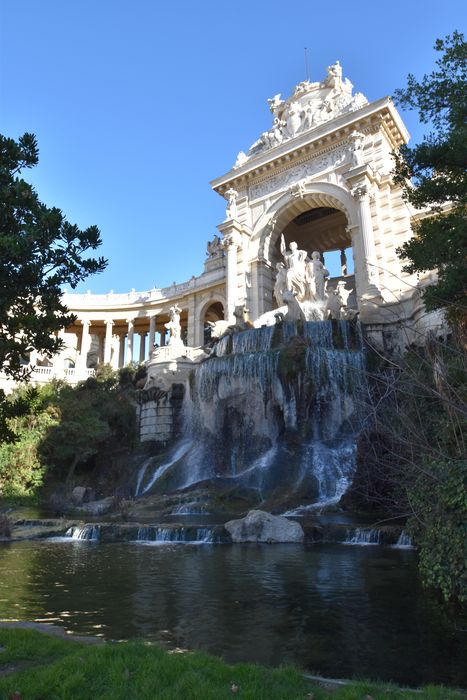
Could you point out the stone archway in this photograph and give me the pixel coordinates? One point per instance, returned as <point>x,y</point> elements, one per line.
<point>284,216</point>
<point>212,310</point>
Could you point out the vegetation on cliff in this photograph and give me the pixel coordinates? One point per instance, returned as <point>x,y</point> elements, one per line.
<point>58,427</point>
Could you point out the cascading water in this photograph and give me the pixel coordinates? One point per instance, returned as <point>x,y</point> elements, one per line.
<point>85,532</point>
<point>273,416</point>
<point>187,535</point>
<point>363,537</point>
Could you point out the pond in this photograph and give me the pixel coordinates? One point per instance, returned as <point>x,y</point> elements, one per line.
<point>336,610</point>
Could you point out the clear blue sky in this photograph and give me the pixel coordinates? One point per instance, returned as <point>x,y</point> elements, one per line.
<point>138,105</point>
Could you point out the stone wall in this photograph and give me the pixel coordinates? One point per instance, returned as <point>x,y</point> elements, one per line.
<point>159,413</point>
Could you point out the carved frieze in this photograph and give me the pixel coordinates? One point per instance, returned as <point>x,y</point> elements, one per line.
<point>292,176</point>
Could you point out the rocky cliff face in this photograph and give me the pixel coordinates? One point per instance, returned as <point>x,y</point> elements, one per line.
<point>272,415</point>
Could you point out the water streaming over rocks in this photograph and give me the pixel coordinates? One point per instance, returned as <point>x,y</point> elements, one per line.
<point>404,541</point>
<point>363,537</point>
<point>271,417</point>
<point>191,535</point>
<point>84,532</point>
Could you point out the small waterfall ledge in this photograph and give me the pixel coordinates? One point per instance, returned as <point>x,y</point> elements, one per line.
<point>271,418</point>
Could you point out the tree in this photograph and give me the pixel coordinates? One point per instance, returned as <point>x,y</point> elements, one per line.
<point>437,168</point>
<point>39,252</point>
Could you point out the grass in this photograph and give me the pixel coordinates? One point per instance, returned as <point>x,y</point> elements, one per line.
<point>38,666</point>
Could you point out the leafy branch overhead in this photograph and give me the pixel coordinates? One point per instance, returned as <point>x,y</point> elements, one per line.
<point>39,252</point>
<point>437,168</point>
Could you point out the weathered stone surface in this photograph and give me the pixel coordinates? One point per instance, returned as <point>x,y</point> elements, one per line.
<point>259,526</point>
<point>78,494</point>
<point>98,507</point>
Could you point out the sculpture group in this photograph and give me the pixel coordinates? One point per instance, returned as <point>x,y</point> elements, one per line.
<point>301,283</point>
<point>311,104</point>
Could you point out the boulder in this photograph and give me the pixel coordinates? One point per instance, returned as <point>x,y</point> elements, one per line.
<point>78,494</point>
<point>259,526</point>
<point>98,507</point>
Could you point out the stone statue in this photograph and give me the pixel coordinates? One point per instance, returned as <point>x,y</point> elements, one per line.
<point>343,262</point>
<point>294,310</point>
<point>214,247</point>
<point>334,77</point>
<point>296,270</point>
<point>241,159</point>
<point>294,119</point>
<point>174,326</point>
<point>316,275</point>
<point>231,197</point>
<point>275,103</point>
<point>356,140</point>
<point>281,283</point>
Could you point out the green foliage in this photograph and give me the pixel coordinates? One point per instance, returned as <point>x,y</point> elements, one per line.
<point>439,498</point>
<point>21,468</point>
<point>60,427</point>
<point>437,167</point>
<point>39,252</point>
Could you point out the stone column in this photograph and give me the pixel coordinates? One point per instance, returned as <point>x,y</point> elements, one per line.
<point>362,195</point>
<point>192,320</point>
<point>85,340</point>
<point>58,360</point>
<point>129,344</point>
<point>232,232</point>
<point>142,346</point>
<point>121,349</point>
<point>108,341</point>
<point>152,333</point>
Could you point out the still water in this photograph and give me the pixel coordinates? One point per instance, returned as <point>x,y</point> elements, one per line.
<point>336,610</point>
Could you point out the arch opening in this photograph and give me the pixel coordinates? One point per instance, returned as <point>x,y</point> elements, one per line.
<point>323,229</point>
<point>213,313</point>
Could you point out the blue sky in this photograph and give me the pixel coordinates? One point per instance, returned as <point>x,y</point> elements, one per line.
<point>138,105</point>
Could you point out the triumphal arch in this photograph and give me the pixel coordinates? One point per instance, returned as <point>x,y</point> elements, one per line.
<point>316,183</point>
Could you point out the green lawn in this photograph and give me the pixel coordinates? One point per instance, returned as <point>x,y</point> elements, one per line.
<point>42,667</point>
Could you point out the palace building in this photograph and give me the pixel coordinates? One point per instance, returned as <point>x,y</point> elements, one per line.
<point>318,180</point>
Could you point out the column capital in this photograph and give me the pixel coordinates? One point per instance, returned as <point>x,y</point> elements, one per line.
<point>109,322</point>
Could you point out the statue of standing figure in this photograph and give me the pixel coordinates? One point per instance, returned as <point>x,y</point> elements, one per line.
<point>296,268</point>
<point>174,326</point>
<point>316,275</point>
<point>281,283</point>
<point>231,197</point>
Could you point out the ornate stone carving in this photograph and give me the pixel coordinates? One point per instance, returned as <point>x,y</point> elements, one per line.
<point>214,247</point>
<point>298,189</point>
<point>310,104</point>
<point>285,180</point>
<point>174,327</point>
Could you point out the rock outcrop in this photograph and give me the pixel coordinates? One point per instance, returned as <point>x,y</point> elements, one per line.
<point>259,526</point>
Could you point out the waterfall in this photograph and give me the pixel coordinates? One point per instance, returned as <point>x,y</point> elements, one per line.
<point>404,541</point>
<point>85,532</point>
<point>273,412</point>
<point>362,536</point>
<point>187,535</point>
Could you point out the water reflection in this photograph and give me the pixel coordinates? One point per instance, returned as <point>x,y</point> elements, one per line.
<point>337,610</point>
